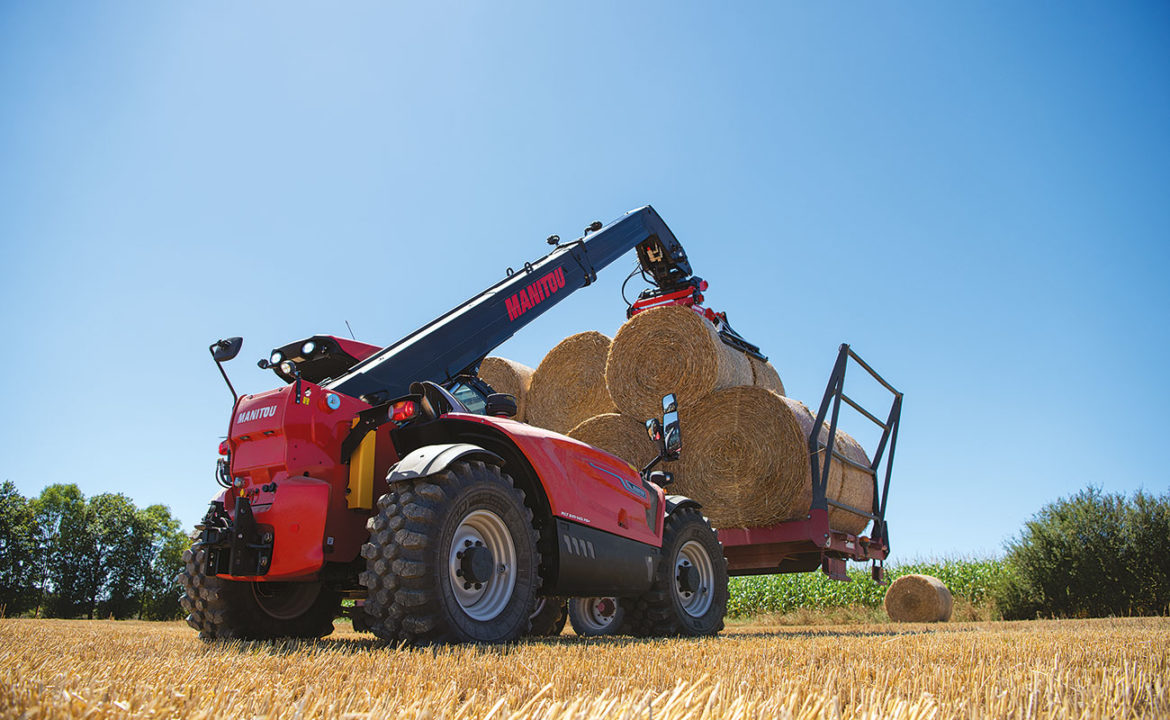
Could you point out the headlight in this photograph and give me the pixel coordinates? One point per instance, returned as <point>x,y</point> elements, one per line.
<point>308,348</point>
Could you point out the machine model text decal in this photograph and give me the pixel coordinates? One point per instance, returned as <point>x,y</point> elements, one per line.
<point>256,414</point>
<point>535,293</point>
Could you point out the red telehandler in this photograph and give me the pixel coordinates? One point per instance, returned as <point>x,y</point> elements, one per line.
<point>396,478</point>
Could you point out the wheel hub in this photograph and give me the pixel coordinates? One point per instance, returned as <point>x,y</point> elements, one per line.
<point>482,565</point>
<point>688,578</point>
<point>477,564</point>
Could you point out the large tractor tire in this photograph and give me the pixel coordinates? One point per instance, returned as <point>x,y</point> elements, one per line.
<point>222,609</point>
<point>548,617</point>
<point>596,616</point>
<point>452,557</point>
<point>689,592</point>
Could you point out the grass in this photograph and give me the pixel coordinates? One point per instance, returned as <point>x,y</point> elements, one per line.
<point>1043,669</point>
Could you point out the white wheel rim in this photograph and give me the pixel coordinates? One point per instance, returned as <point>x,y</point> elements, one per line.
<point>486,600</point>
<point>697,600</point>
<point>596,614</point>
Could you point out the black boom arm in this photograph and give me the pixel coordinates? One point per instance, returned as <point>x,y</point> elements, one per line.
<point>452,343</point>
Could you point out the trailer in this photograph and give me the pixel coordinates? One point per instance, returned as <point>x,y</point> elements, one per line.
<point>809,544</point>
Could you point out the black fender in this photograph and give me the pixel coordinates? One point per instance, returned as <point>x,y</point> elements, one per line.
<point>674,502</point>
<point>431,459</point>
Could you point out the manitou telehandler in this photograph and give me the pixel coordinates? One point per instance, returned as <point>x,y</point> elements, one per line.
<point>394,477</point>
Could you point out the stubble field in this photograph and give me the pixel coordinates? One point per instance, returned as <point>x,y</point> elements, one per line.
<point>1083,669</point>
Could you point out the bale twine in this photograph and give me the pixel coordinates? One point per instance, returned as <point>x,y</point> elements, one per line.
<point>918,598</point>
<point>619,435</point>
<point>568,387</point>
<point>846,483</point>
<point>744,458</point>
<point>508,376</point>
<point>764,375</point>
<point>670,350</point>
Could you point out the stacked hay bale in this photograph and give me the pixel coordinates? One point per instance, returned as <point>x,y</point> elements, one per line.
<point>745,445</point>
<point>508,376</point>
<point>568,387</point>
<point>918,598</point>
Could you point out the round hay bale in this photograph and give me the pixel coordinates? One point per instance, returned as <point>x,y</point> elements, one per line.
<point>619,435</point>
<point>918,598</point>
<point>846,483</point>
<point>764,375</point>
<point>568,387</point>
<point>670,350</point>
<point>744,458</point>
<point>508,376</point>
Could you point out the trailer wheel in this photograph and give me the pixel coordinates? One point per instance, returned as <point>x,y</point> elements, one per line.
<point>244,610</point>
<point>689,592</point>
<point>548,617</point>
<point>592,617</point>
<point>452,558</point>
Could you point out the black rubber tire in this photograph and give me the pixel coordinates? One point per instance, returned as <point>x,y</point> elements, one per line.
<point>585,625</point>
<point>660,611</point>
<point>410,594</point>
<point>548,620</point>
<point>229,609</point>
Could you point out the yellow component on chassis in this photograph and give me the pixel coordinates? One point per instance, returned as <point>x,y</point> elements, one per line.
<point>361,474</point>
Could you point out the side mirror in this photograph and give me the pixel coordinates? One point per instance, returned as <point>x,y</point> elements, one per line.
<point>224,350</point>
<point>654,430</point>
<point>501,404</point>
<point>661,478</point>
<point>673,441</point>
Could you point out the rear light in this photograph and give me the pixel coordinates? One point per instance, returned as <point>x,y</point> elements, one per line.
<point>403,410</point>
<point>224,448</point>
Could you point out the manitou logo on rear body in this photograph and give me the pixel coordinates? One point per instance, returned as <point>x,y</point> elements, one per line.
<point>535,293</point>
<point>264,412</point>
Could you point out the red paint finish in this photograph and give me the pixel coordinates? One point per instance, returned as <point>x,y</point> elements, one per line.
<point>354,348</point>
<point>752,549</point>
<point>584,484</point>
<point>278,436</point>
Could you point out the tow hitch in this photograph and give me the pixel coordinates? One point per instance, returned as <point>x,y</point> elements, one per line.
<point>240,548</point>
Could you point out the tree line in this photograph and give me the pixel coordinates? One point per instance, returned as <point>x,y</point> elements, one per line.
<point>67,556</point>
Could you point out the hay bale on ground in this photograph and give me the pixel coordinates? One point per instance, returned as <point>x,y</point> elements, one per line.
<point>619,435</point>
<point>918,598</point>
<point>568,387</point>
<point>744,457</point>
<point>764,375</point>
<point>508,376</point>
<point>670,350</point>
<point>846,484</point>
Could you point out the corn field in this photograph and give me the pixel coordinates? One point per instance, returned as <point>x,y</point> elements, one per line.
<point>1112,668</point>
<point>970,580</point>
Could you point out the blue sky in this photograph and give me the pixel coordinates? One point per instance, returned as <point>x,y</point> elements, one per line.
<point>975,195</point>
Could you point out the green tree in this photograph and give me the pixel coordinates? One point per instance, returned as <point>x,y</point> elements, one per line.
<point>18,552</point>
<point>1091,555</point>
<point>119,539</point>
<point>160,560</point>
<point>62,538</point>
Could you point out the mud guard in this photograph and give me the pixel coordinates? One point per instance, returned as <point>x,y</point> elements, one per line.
<point>674,502</point>
<point>431,459</point>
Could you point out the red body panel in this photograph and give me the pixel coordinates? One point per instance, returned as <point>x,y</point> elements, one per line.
<point>584,484</point>
<point>296,442</point>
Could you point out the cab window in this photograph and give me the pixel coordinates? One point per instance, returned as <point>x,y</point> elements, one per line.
<point>475,402</point>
